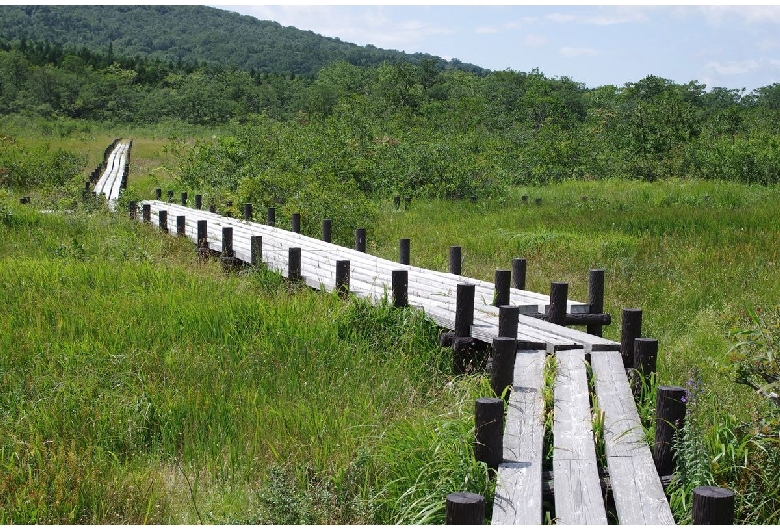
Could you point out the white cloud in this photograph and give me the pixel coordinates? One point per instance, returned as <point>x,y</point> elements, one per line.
<point>615,15</point>
<point>743,67</point>
<point>535,40</point>
<point>568,51</point>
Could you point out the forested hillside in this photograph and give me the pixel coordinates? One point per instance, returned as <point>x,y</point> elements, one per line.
<point>194,34</point>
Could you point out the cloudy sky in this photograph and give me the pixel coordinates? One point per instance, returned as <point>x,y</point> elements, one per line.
<point>718,45</point>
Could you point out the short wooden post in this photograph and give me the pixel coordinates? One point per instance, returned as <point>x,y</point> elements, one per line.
<point>489,431</point>
<point>403,251</point>
<point>271,217</point>
<point>227,242</point>
<point>595,298</point>
<point>133,209</point>
<point>360,239</point>
<point>400,283</point>
<point>645,361</point>
<point>294,264</point>
<point>170,195</point>
<point>538,200</point>
<point>559,294</point>
<point>669,417</point>
<point>524,198</point>
<point>327,230</point>
<point>502,282</point>
<point>342,277</point>
<point>473,199</point>
<point>397,202</point>
<point>162,217</point>
<point>202,241</point>
<point>87,185</point>
<point>180,225</point>
<point>146,213</point>
<point>518,273</point>
<point>158,193</point>
<point>407,202</point>
<point>508,316</point>
<point>455,261</point>
<point>295,223</point>
<point>464,309</point>
<point>464,508</point>
<point>184,198</point>
<point>198,202</point>
<point>713,505</point>
<point>503,369</point>
<point>256,250</point>
<point>212,207</point>
<point>248,211</point>
<point>631,329</point>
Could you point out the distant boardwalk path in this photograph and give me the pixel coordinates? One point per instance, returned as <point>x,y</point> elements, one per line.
<point>113,178</point>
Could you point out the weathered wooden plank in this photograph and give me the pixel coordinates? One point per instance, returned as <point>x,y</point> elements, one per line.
<point>639,495</point>
<point>518,496</point>
<point>577,486</point>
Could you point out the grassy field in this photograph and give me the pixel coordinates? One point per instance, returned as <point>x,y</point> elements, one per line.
<point>144,386</point>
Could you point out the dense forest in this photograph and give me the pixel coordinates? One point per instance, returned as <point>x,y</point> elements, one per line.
<point>196,34</point>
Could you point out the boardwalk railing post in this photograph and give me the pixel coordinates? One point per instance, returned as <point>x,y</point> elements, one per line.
<point>397,202</point>
<point>455,260</point>
<point>645,362</point>
<point>133,209</point>
<point>595,298</point>
<point>256,250</point>
<point>248,211</point>
<point>400,283</point>
<point>669,417</point>
<point>489,431</point>
<point>296,223</point>
<point>212,207</point>
<point>518,273</point>
<point>202,242</point>
<point>294,264</point>
<point>407,202</point>
<point>327,230</point>
<point>229,261</point>
<point>462,343</point>
<point>162,217</point>
<point>502,282</point>
<point>631,329</point>
<point>271,217</point>
<point>158,193</point>
<point>181,224</point>
<point>184,198</point>
<point>198,202</point>
<point>360,239</point>
<point>508,316</point>
<point>170,195</point>
<point>713,505</point>
<point>464,508</point>
<point>559,294</point>
<point>403,251</point>
<point>146,213</point>
<point>503,369</point>
<point>342,277</point>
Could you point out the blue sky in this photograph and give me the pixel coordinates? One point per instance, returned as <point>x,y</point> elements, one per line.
<point>717,45</point>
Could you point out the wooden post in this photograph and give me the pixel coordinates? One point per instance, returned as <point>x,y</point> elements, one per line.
<point>180,225</point>
<point>212,207</point>
<point>158,193</point>
<point>203,235</point>
<point>296,223</point>
<point>645,361</point>
<point>595,298</point>
<point>198,201</point>
<point>184,198</point>
<point>501,293</point>
<point>360,239</point>
<point>133,208</point>
<point>473,199</point>
<point>407,202</point>
<point>327,229</point>
<point>631,329</point>
<point>669,416</point>
<point>489,431</point>
<point>559,294</point>
<point>464,508</point>
<point>400,283</point>
<point>518,273</point>
<point>397,202</point>
<point>162,217</point>
<point>256,250</point>
<point>170,195</point>
<point>713,505</point>
<point>294,264</point>
<point>227,242</point>
<point>271,218</point>
<point>248,211</point>
<point>464,309</point>
<point>508,316</point>
<point>455,260</point>
<point>403,251</point>
<point>342,277</point>
<point>524,198</point>
<point>503,370</point>
<point>146,213</point>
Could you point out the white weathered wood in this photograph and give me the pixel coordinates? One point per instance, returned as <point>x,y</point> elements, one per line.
<point>518,496</point>
<point>110,182</point>
<point>637,490</point>
<point>578,497</point>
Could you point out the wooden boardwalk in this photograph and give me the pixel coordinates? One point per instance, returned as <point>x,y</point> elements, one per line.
<point>110,182</point>
<point>636,488</point>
